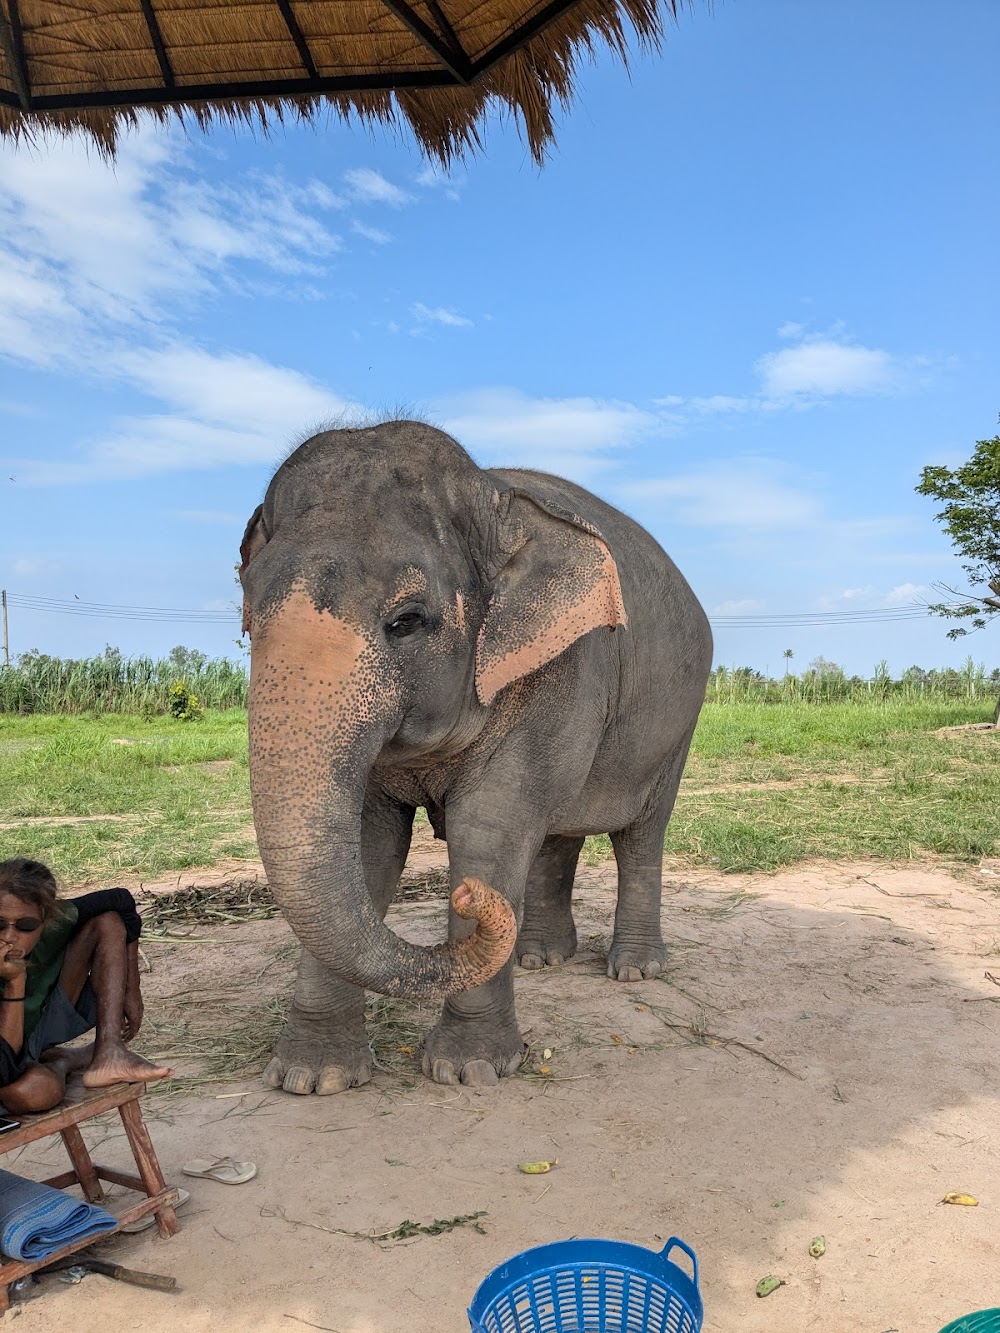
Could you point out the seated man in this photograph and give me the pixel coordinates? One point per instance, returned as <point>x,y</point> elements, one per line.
<point>65,967</point>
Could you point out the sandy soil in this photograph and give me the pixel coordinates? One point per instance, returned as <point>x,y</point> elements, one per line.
<point>821,1057</point>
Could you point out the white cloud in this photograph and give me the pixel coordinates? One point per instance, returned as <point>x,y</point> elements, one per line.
<point>742,607</point>
<point>907,594</point>
<point>740,493</point>
<point>374,234</point>
<point>26,567</point>
<point>432,177</point>
<point>822,368</point>
<point>575,437</point>
<point>368,186</point>
<point>96,264</point>
<point>845,598</point>
<point>111,243</point>
<point>439,315</point>
<point>227,408</point>
<point>814,370</point>
<point>868,596</point>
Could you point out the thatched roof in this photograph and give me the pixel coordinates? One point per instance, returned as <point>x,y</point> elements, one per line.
<point>440,65</point>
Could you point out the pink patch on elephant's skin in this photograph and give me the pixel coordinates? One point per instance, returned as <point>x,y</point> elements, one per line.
<point>527,627</point>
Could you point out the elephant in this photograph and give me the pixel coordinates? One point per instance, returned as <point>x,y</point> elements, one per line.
<point>497,646</point>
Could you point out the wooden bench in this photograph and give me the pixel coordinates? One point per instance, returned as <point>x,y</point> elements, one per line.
<point>81,1105</point>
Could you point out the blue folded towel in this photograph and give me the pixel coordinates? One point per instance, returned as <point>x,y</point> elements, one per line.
<point>36,1220</point>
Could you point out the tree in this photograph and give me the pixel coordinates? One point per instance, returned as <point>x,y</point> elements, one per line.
<point>788,655</point>
<point>825,670</point>
<point>971,517</point>
<point>187,661</point>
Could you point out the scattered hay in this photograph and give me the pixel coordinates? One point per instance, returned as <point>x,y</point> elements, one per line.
<point>234,902</point>
<point>396,1031</point>
<point>227,1042</point>
<point>250,899</point>
<point>423,886</point>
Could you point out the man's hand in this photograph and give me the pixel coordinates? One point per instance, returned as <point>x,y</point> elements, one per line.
<point>11,969</point>
<point>132,1015</point>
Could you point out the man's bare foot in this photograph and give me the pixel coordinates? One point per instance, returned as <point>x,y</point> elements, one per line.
<point>68,1058</point>
<point>122,1066</point>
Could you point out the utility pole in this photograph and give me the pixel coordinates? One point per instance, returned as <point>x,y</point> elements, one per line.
<point>6,642</point>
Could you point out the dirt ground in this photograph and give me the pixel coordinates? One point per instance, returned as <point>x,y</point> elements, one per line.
<point>820,1058</point>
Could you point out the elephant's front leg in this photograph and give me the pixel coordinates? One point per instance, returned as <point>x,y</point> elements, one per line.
<point>476,1040</point>
<point>324,1046</point>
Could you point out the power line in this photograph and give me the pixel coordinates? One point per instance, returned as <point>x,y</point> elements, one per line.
<point>101,610</point>
<point>786,620</point>
<point>821,618</point>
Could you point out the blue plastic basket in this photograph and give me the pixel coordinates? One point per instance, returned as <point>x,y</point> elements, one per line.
<point>590,1286</point>
<point>986,1321</point>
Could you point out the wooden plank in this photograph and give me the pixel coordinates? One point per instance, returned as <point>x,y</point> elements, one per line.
<point>12,41</point>
<point>145,1159</point>
<point>120,1178</point>
<point>82,1165</point>
<point>156,38</point>
<point>70,1113</point>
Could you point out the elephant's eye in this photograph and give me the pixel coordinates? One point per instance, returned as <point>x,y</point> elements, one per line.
<point>406,622</point>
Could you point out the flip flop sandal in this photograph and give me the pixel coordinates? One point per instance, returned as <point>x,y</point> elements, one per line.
<point>226,1170</point>
<point>132,1227</point>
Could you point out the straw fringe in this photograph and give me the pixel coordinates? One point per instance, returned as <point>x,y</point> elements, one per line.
<point>103,45</point>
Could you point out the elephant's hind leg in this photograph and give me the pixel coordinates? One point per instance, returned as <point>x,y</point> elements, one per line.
<point>548,934</point>
<point>637,949</point>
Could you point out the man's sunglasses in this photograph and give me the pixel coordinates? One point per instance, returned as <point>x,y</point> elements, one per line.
<point>24,925</point>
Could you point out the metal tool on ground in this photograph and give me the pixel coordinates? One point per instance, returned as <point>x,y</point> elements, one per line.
<point>154,1281</point>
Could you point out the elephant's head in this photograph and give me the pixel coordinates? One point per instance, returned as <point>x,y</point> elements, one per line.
<point>392,589</point>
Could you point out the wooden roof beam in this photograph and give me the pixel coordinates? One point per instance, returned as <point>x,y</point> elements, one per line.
<point>552,11</point>
<point>454,58</point>
<point>447,31</point>
<point>12,41</point>
<point>156,37</point>
<point>298,37</point>
<point>208,92</point>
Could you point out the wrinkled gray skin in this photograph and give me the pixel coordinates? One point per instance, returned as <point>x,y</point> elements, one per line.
<point>499,647</point>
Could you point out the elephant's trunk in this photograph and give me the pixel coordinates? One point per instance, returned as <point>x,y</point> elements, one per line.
<point>319,713</point>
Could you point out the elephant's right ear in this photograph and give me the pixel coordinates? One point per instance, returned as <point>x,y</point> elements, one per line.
<point>254,539</point>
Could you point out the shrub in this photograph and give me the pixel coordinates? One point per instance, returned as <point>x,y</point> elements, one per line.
<point>184,706</point>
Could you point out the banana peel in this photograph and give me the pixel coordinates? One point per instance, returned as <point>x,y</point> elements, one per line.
<point>817,1247</point>
<point>768,1284</point>
<point>537,1168</point>
<point>955,1196</point>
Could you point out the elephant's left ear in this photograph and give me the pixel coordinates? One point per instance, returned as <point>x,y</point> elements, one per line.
<point>255,538</point>
<point>559,583</point>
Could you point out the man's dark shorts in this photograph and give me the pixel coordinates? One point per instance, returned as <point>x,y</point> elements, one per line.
<point>61,1021</point>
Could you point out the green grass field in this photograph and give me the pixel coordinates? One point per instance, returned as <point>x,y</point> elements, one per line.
<point>118,798</point>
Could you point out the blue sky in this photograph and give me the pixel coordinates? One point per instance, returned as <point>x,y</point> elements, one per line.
<point>750,296</point>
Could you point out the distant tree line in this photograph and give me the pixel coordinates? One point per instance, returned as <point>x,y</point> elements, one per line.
<point>113,683</point>
<point>827,682</point>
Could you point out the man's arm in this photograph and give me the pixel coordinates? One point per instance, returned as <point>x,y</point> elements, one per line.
<point>133,1006</point>
<point>13,976</point>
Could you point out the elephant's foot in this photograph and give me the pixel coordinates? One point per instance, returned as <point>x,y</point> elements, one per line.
<point>634,961</point>
<point>545,945</point>
<point>308,1059</point>
<point>476,1052</point>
